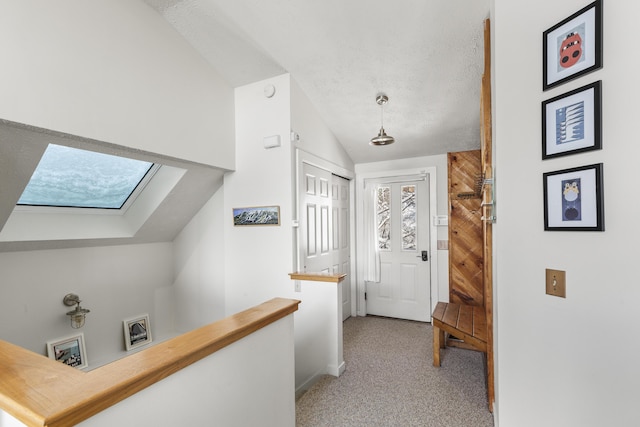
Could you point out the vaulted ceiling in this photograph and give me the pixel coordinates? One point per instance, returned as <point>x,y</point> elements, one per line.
<point>426,55</point>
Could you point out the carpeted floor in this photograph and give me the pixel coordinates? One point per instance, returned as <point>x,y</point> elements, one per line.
<point>390,380</point>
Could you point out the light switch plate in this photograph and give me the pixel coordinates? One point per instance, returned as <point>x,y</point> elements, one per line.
<point>556,283</point>
<point>440,220</point>
<point>271,141</point>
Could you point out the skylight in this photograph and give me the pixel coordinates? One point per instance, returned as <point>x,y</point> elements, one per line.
<point>71,177</point>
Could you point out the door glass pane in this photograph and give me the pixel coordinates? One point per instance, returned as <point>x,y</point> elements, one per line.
<point>408,217</point>
<point>383,216</point>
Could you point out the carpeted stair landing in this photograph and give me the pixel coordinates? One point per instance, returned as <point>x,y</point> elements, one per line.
<point>390,381</point>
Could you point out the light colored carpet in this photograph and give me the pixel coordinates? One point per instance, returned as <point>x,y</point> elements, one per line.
<point>390,380</point>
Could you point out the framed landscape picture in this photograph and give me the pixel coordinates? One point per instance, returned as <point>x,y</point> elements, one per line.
<point>572,47</point>
<point>571,122</point>
<point>69,350</point>
<point>137,331</point>
<point>259,215</point>
<point>573,199</point>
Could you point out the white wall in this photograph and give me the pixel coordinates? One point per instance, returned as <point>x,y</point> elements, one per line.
<point>258,259</point>
<point>573,361</point>
<point>114,282</point>
<point>248,383</point>
<point>114,71</point>
<point>319,346</point>
<point>315,137</point>
<point>200,267</point>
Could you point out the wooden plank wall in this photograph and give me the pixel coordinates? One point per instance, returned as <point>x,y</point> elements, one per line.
<point>466,246</point>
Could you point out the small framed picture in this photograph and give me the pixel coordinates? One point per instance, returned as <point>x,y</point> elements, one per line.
<point>69,350</point>
<point>137,331</point>
<point>573,199</point>
<point>571,123</point>
<point>572,47</point>
<point>259,215</point>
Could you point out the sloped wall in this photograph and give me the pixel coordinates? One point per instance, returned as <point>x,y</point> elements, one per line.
<point>113,71</point>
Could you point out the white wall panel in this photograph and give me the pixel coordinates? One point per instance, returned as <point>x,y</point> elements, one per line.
<point>558,363</point>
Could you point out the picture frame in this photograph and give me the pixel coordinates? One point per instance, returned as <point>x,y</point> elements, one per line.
<point>137,331</point>
<point>571,122</point>
<point>572,47</point>
<point>69,350</point>
<point>256,216</point>
<point>573,199</point>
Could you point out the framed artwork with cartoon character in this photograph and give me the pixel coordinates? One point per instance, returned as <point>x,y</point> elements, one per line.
<point>573,199</point>
<point>572,47</point>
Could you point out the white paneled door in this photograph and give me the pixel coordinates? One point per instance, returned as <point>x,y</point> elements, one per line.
<point>324,226</point>
<point>402,222</point>
<point>340,232</point>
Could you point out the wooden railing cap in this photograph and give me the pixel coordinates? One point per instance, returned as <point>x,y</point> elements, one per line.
<point>42,392</point>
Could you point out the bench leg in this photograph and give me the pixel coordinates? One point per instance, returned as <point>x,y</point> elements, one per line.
<point>438,342</point>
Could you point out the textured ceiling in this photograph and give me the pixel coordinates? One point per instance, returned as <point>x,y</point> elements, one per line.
<point>426,55</point>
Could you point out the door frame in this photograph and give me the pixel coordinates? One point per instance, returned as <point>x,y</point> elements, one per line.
<point>361,306</point>
<point>301,157</point>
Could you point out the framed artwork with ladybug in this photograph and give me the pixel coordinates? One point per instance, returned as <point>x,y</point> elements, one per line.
<point>572,47</point>
<point>573,199</point>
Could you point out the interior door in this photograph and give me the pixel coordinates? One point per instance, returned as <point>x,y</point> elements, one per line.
<point>315,215</point>
<point>402,216</point>
<point>324,220</point>
<point>340,241</point>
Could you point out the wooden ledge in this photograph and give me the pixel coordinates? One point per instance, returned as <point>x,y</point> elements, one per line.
<point>42,392</point>
<point>318,277</point>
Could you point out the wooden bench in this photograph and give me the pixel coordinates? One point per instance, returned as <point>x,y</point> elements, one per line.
<point>466,322</point>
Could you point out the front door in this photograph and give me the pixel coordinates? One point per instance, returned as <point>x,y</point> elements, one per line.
<point>402,216</point>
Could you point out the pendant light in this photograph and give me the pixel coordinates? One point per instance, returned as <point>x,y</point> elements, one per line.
<point>382,138</point>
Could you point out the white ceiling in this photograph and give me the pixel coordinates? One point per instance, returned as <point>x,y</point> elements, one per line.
<point>426,55</point>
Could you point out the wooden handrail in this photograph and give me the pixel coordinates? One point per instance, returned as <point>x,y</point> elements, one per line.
<point>318,277</point>
<point>42,392</point>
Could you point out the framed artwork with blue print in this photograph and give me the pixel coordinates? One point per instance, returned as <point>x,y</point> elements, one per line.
<point>571,122</point>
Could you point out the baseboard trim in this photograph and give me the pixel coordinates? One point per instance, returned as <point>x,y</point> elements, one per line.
<point>336,371</point>
<point>302,388</point>
<point>333,370</point>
